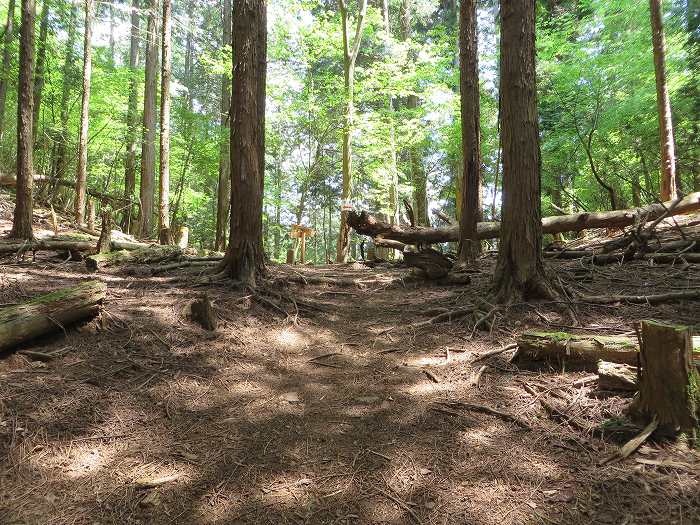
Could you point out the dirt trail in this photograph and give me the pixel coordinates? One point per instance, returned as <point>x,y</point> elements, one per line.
<point>146,418</point>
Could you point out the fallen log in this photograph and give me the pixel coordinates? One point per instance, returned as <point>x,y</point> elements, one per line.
<point>616,376</point>
<point>366,224</point>
<point>50,313</point>
<point>48,245</point>
<point>150,254</point>
<point>607,258</point>
<point>583,349</point>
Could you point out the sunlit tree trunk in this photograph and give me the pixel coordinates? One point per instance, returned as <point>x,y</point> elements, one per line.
<point>24,203</point>
<point>224,186</point>
<point>166,70</point>
<point>245,258</point>
<point>132,116</point>
<point>350,52</point>
<point>519,270</point>
<point>40,66</point>
<point>81,173</point>
<point>693,17</point>
<point>148,144</point>
<point>393,164</point>
<point>6,61</point>
<point>61,161</point>
<point>470,215</point>
<point>670,185</point>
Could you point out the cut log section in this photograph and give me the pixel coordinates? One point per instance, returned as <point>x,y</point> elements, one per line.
<point>669,386</point>
<point>202,312</point>
<point>616,376</point>
<point>50,313</point>
<point>431,263</point>
<point>562,347</point>
<point>366,224</point>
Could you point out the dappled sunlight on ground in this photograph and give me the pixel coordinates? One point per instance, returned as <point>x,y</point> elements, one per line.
<point>146,418</point>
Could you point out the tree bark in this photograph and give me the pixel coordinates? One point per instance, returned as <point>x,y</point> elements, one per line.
<point>224,187</point>
<point>670,185</point>
<point>24,203</point>
<point>350,52</point>
<point>669,386</point>
<point>519,270</point>
<point>61,164</point>
<point>245,258</point>
<point>470,212</point>
<point>164,205</point>
<point>132,117</point>
<point>81,173</point>
<point>39,79</point>
<point>148,148</point>
<point>50,313</point>
<point>6,61</point>
<point>366,224</point>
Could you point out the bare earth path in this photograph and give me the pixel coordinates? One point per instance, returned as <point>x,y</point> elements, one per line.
<point>143,417</point>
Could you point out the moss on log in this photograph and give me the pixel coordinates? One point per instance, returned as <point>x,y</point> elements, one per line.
<point>50,313</point>
<point>584,349</point>
<point>153,253</point>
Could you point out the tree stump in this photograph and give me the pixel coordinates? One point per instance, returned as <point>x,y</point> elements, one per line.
<point>104,243</point>
<point>669,386</point>
<point>203,314</point>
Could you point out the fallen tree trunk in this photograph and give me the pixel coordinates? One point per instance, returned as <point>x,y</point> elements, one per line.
<point>366,224</point>
<point>65,245</point>
<point>608,258</point>
<point>150,254</point>
<point>584,349</point>
<point>50,313</point>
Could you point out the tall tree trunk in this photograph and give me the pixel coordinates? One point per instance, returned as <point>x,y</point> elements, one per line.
<point>245,258</point>
<point>164,204</point>
<point>81,173</point>
<point>350,52</point>
<point>112,45</point>
<point>40,65</point>
<point>670,185</point>
<point>693,45</point>
<point>415,161</point>
<point>470,214</point>
<point>394,164</point>
<point>24,203</point>
<point>519,270</point>
<point>224,187</point>
<point>148,144</point>
<point>132,117</point>
<point>61,164</point>
<point>6,61</point>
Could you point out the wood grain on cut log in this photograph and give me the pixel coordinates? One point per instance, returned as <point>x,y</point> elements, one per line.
<point>616,376</point>
<point>669,386</point>
<point>432,263</point>
<point>584,349</point>
<point>50,313</point>
<point>202,313</point>
<point>366,224</point>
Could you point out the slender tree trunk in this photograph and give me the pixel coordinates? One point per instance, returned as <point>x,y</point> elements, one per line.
<point>394,164</point>
<point>519,270</point>
<point>278,211</point>
<point>132,117</point>
<point>81,174</point>
<point>418,175</point>
<point>61,164</point>
<point>670,185</point>
<point>164,207</point>
<point>693,46</point>
<point>470,214</point>
<point>148,148</point>
<point>6,61</point>
<point>224,186</point>
<point>112,45</point>
<point>350,52</point>
<point>245,258</point>
<point>24,204</point>
<point>40,66</point>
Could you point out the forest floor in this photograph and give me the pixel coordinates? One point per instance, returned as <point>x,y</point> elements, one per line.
<point>329,417</point>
